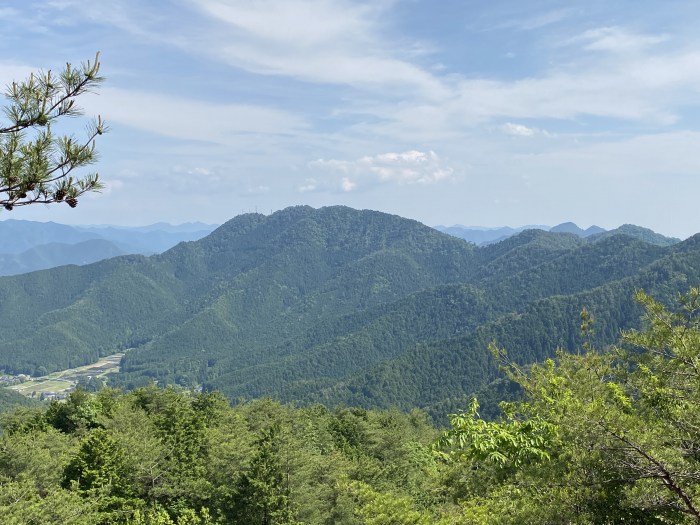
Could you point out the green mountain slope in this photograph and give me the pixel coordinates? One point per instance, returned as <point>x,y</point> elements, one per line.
<point>644,234</point>
<point>333,305</point>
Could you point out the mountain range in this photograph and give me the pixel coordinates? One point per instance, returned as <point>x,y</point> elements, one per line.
<point>482,236</point>
<point>27,246</point>
<point>338,306</point>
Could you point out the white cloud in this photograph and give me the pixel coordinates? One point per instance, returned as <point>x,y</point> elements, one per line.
<point>195,172</point>
<point>308,186</point>
<point>519,130</point>
<point>617,39</point>
<point>347,185</point>
<point>408,167</point>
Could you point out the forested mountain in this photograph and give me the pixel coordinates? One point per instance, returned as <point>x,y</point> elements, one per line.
<point>335,305</point>
<point>486,236</point>
<point>570,227</point>
<point>638,232</point>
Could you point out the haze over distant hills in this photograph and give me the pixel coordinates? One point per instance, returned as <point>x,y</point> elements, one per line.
<point>482,236</point>
<point>336,305</point>
<point>27,246</point>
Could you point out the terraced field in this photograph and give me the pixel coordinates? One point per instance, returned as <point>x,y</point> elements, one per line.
<point>64,381</point>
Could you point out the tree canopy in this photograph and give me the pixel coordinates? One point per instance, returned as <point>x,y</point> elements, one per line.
<point>36,164</point>
<point>599,438</point>
<point>607,437</point>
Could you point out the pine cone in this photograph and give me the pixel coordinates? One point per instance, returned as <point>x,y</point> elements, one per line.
<point>8,207</point>
<point>59,195</point>
<point>72,202</point>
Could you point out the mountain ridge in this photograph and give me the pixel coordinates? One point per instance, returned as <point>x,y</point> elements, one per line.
<point>482,236</point>
<point>330,304</point>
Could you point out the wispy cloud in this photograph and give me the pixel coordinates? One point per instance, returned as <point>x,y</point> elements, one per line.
<point>524,22</point>
<point>616,39</point>
<point>651,88</point>
<point>345,43</point>
<point>327,41</point>
<point>189,119</point>
<point>672,155</point>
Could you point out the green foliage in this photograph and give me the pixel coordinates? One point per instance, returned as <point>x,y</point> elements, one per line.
<point>9,400</point>
<point>159,456</point>
<point>263,493</point>
<point>510,444</point>
<point>598,438</point>
<point>35,165</point>
<point>619,436</point>
<point>637,232</point>
<point>376,508</point>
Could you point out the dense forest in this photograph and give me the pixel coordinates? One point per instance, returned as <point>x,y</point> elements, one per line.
<point>337,306</point>
<point>598,437</point>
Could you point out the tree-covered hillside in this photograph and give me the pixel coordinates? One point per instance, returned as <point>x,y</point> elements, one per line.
<point>334,305</point>
<point>597,437</point>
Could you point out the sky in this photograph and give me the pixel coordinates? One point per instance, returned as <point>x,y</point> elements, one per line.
<point>448,112</point>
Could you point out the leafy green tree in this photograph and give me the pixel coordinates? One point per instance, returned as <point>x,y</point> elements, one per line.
<point>377,508</point>
<point>20,504</point>
<point>99,466</point>
<point>507,445</point>
<point>264,491</point>
<point>80,411</point>
<point>158,516</point>
<point>36,165</point>
<point>607,437</point>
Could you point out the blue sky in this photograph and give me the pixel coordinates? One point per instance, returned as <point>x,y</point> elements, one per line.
<point>478,113</point>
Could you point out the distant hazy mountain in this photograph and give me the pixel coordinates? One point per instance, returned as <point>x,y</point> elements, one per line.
<point>186,227</point>
<point>481,236</point>
<point>19,236</point>
<point>28,245</point>
<point>149,240</point>
<point>570,227</point>
<point>57,254</point>
<point>484,236</point>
